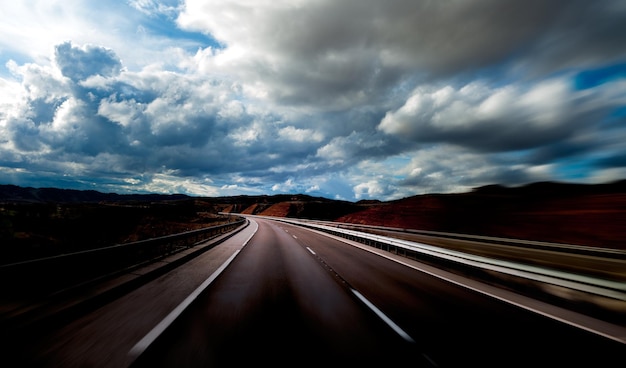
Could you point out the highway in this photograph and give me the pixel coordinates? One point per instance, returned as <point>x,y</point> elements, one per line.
<point>283,295</point>
<point>289,298</point>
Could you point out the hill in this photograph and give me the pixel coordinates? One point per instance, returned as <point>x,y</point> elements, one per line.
<point>16,194</point>
<point>46,221</point>
<point>593,215</point>
<point>583,214</point>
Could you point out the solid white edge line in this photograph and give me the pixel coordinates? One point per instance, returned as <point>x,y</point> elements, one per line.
<point>382,316</point>
<point>167,321</point>
<point>251,235</point>
<point>621,338</point>
<point>147,340</point>
<point>545,313</point>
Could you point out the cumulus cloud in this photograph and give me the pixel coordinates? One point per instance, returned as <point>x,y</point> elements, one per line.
<point>348,150</point>
<point>445,168</point>
<point>300,135</point>
<point>373,189</point>
<point>345,53</point>
<point>502,118</point>
<point>80,63</point>
<point>89,115</point>
<point>354,99</point>
<point>154,7</point>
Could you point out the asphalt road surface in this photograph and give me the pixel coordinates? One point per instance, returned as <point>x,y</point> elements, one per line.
<point>292,297</point>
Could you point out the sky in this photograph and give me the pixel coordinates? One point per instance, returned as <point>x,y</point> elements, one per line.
<point>350,99</point>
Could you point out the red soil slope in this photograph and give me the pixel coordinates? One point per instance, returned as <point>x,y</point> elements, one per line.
<point>593,219</point>
<point>281,209</point>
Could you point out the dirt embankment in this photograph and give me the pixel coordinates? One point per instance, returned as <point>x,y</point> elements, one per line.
<point>43,222</point>
<point>552,214</point>
<point>592,215</point>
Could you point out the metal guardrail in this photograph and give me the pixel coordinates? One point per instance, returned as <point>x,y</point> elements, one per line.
<point>534,244</point>
<point>50,274</point>
<point>583,283</point>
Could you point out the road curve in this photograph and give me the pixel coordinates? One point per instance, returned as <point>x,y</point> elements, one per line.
<point>103,337</point>
<point>284,295</point>
<point>296,297</point>
<point>275,304</point>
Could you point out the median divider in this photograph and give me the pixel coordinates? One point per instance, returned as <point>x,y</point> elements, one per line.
<point>542,245</point>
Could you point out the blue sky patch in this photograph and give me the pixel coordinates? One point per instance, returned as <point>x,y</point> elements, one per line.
<point>595,77</point>
<point>164,26</point>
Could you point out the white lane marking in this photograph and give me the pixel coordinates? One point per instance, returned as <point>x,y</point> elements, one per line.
<point>382,316</point>
<point>598,327</point>
<point>251,235</point>
<point>167,321</point>
<point>147,340</point>
<point>295,237</point>
<point>311,250</point>
<point>432,362</point>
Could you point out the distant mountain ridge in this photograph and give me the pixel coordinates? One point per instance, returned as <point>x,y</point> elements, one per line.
<point>14,193</point>
<point>551,188</point>
<point>584,214</point>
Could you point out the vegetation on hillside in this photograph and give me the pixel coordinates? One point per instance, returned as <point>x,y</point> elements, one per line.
<point>31,230</point>
<point>43,222</point>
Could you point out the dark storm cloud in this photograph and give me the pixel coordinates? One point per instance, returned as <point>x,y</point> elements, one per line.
<point>582,34</point>
<point>79,63</point>
<point>352,51</point>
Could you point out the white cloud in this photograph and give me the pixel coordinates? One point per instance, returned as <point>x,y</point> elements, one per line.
<point>313,188</point>
<point>30,29</point>
<point>345,53</point>
<point>33,27</point>
<point>285,187</point>
<point>155,7</point>
<point>300,135</point>
<point>67,117</point>
<point>127,112</point>
<point>607,175</point>
<point>447,168</point>
<point>351,98</point>
<point>39,82</point>
<point>352,147</point>
<point>173,184</point>
<point>246,135</point>
<point>511,117</point>
<point>372,189</point>
<point>11,93</point>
